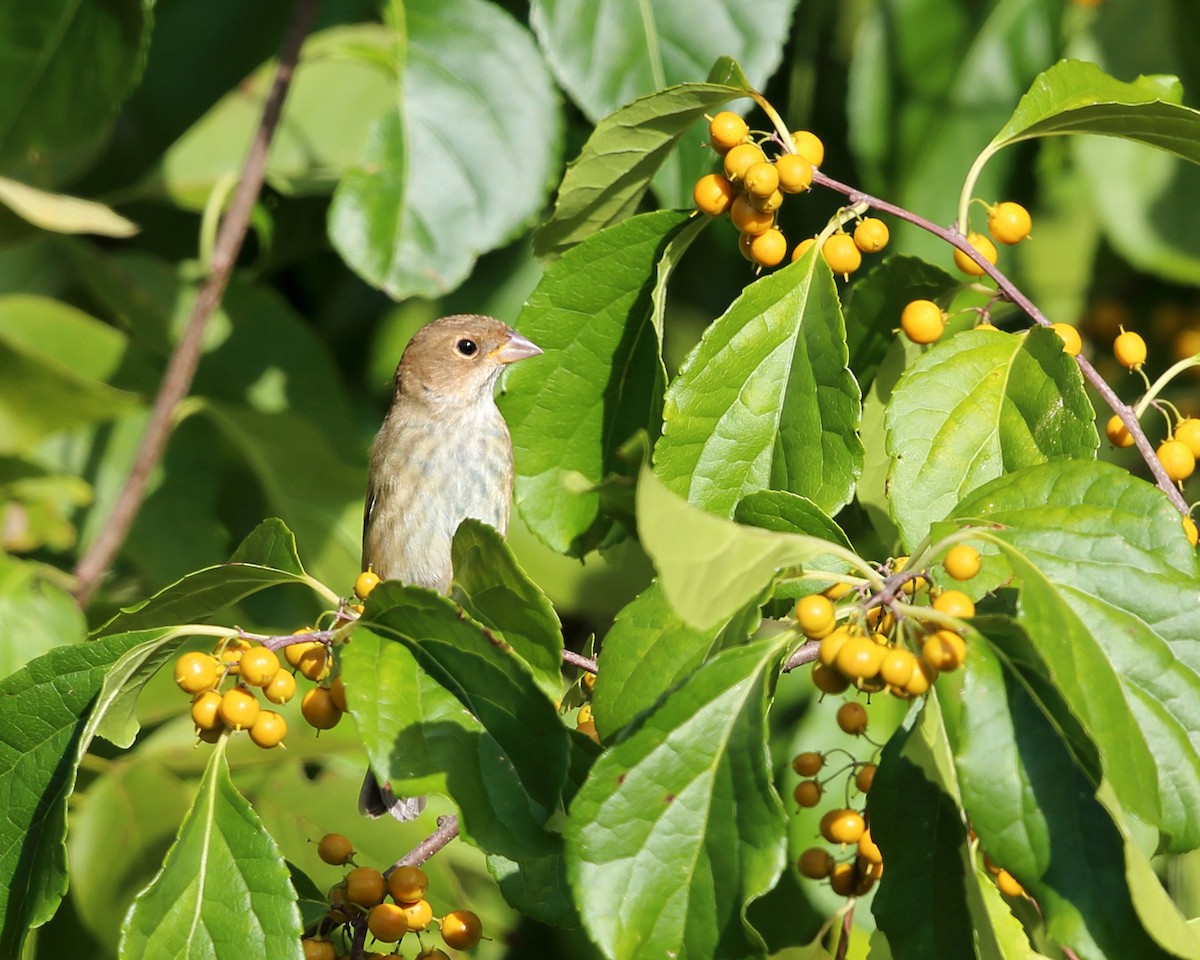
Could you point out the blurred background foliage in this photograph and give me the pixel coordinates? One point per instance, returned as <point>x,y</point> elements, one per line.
<point>411,167</point>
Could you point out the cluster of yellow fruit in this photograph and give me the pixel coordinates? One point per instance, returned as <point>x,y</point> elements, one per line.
<point>362,897</point>
<point>873,649</point>
<point>751,186</point>
<point>844,827</point>
<point>1008,223</point>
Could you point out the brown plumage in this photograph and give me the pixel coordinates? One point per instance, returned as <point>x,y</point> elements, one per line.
<point>442,455</point>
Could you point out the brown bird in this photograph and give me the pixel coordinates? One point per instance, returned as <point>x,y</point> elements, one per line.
<point>442,455</point>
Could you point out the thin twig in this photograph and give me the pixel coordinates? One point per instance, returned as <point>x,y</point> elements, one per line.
<point>447,830</point>
<point>1010,290</point>
<point>580,661</point>
<point>806,654</point>
<point>844,940</point>
<point>181,368</point>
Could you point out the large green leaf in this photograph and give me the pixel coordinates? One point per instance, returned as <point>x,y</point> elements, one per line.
<point>597,384</point>
<point>426,200</point>
<point>223,889</point>
<point>978,405</point>
<point>492,587</point>
<point>765,400</point>
<point>1105,574</point>
<point>345,80</point>
<point>607,181</point>
<point>680,822</point>
<point>1078,97</point>
<point>648,650</point>
<point>930,83</point>
<point>709,567</point>
<point>790,513</point>
<point>65,67</point>
<point>606,55</point>
<point>443,707</point>
<point>44,731</point>
<point>1039,817</point>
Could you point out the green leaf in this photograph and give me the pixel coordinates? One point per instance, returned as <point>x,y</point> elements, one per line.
<point>609,54</point>
<point>1106,574</point>
<point>606,182</point>
<point>44,710</point>
<point>63,214</point>
<point>1038,816</point>
<point>875,302</point>
<point>425,201</point>
<point>598,383</point>
<point>35,613</point>
<point>680,822</point>
<point>1074,96</point>
<point>441,706</point>
<point>496,592</point>
<point>270,544</point>
<point>223,889</point>
<point>789,513</point>
<point>345,80</point>
<point>65,67</point>
<point>648,650</point>
<point>709,567</point>
<point>119,838</point>
<point>916,822</point>
<point>765,400</point>
<point>975,406</point>
<point>53,363</point>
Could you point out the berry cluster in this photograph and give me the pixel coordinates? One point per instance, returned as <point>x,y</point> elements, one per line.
<point>877,648</point>
<point>751,186</point>
<point>844,826</point>
<point>390,905</point>
<point>1008,223</point>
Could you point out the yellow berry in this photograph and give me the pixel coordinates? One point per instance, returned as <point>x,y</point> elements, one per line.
<point>337,690</point>
<point>871,235</point>
<point>921,680</point>
<point>761,179</point>
<point>747,219</point>
<point>588,729</point>
<point>1118,434</point>
<point>842,879</point>
<point>860,658</point>
<point>741,158</point>
<point>239,708</point>
<point>419,914</point>
<point>795,173</point>
<point>258,666</point>
<point>1187,432</point>
<point>282,688</point>
<point>588,681</point>
<point>461,929</point>
<point>407,884</point>
<point>367,581</point>
<point>387,922</point>
<point>769,248</point>
<point>868,849</point>
<point>897,667</point>
<point>335,849</point>
<point>1009,222</point>
<point>984,247</point>
<point>831,645</point>
<point>767,204</point>
<point>962,561</point>
<point>828,679</point>
<point>1189,528</point>
<point>845,826</point>
<point>206,711</point>
<point>315,663</point>
<point>294,651</point>
<point>1177,459</point>
<point>955,603</point>
<point>922,321</point>
<point>1129,349</point>
<point>841,253</point>
<point>585,714</point>
<point>726,130</point>
<point>713,194</point>
<point>319,710</point>
<point>1072,342</point>
<point>197,672</point>
<point>315,949</point>
<point>268,729</point>
<point>1008,884</point>
<point>865,777</point>
<point>815,616</point>
<point>802,248</point>
<point>809,146</point>
<point>944,650</point>
<point>229,652</point>
<point>365,886</point>
<point>807,793</point>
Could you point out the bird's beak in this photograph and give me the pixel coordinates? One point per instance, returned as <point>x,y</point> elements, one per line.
<point>517,348</point>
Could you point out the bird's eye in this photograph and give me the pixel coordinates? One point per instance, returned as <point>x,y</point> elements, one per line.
<point>467,347</point>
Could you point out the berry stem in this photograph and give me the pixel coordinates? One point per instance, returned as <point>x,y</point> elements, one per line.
<point>1171,373</point>
<point>579,660</point>
<point>956,239</point>
<point>844,940</point>
<point>447,830</point>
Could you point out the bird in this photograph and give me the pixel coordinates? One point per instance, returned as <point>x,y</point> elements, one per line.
<point>443,455</point>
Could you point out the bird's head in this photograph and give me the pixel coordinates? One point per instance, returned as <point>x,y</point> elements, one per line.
<point>456,360</point>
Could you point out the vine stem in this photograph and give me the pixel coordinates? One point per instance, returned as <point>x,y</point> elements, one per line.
<point>181,368</point>
<point>447,830</point>
<point>955,238</point>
